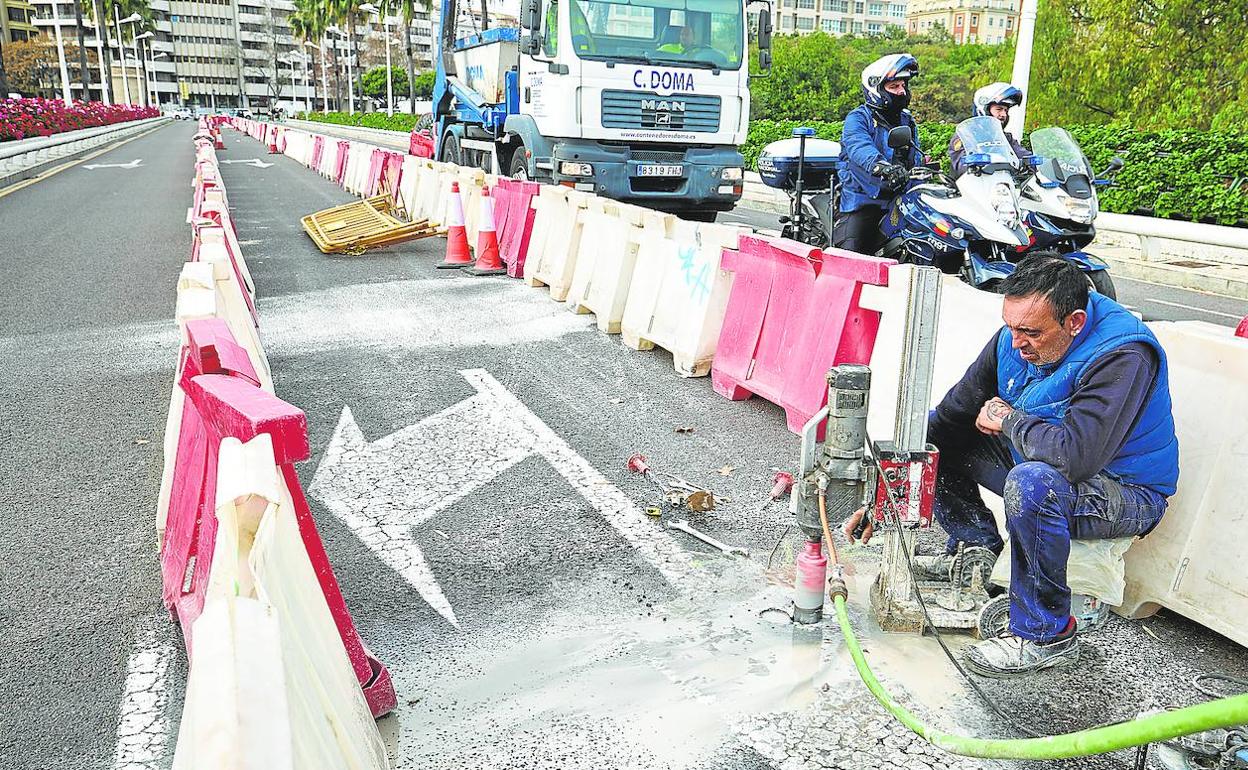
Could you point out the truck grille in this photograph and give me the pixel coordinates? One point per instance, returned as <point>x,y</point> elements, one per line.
<point>648,110</point>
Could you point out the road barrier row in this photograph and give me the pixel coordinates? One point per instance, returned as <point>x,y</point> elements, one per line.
<point>768,317</point>
<point>278,672</point>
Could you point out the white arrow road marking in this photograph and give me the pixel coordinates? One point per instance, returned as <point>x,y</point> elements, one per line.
<point>384,489</point>
<point>132,164</point>
<point>253,162</point>
<point>142,724</point>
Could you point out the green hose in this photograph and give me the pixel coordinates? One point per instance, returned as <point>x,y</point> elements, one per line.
<point>1226,712</point>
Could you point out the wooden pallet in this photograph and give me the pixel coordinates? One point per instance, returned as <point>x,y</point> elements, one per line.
<point>368,224</point>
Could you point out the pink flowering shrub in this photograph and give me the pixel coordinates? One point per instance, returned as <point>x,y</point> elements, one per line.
<point>22,118</point>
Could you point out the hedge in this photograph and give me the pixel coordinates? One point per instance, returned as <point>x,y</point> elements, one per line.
<point>399,121</point>
<point>1197,175</point>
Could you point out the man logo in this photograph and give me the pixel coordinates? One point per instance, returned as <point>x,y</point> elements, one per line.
<point>667,105</point>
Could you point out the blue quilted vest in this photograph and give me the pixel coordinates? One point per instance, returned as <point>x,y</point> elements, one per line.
<point>1150,456</point>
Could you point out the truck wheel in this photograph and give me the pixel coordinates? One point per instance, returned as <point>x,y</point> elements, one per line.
<point>519,166</point>
<point>450,151</point>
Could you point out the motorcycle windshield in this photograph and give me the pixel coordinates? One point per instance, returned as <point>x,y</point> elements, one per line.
<point>1057,144</point>
<point>984,143</point>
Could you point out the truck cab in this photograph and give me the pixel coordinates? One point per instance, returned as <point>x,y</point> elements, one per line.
<point>645,101</point>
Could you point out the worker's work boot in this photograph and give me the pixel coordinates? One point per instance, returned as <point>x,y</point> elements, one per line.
<point>1010,655</point>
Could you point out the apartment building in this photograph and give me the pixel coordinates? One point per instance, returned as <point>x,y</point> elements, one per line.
<point>15,21</point>
<point>838,17</point>
<point>968,21</point>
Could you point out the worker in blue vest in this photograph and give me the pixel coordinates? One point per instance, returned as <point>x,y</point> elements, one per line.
<point>1065,414</point>
<point>875,173</point>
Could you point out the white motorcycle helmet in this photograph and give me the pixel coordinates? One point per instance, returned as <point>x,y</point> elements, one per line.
<point>996,93</point>
<point>897,66</point>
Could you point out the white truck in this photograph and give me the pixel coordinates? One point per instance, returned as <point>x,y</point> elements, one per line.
<point>645,101</point>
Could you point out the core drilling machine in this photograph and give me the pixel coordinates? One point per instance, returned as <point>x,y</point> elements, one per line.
<point>842,469</point>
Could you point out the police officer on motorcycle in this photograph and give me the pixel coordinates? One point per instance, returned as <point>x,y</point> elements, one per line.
<point>994,101</point>
<point>875,173</point>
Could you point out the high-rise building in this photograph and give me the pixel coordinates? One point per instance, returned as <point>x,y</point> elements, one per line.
<point>838,17</point>
<point>228,53</point>
<point>968,21</point>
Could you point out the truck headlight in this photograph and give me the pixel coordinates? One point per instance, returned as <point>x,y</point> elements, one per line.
<point>1079,210</point>
<point>572,168</point>
<point>731,174</point>
<point>1002,200</point>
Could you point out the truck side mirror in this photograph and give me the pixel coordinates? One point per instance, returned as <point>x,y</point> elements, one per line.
<point>531,44</point>
<point>764,30</point>
<point>531,16</point>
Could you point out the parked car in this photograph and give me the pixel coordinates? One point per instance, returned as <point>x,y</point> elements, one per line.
<point>180,113</point>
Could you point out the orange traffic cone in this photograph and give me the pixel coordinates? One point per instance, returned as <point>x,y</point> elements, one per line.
<point>457,254</point>
<point>488,261</point>
<point>218,142</point>
<point>272,132</point>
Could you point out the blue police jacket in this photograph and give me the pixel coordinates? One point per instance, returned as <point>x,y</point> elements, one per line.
<point>1150,455</point>
<point>864,142</point>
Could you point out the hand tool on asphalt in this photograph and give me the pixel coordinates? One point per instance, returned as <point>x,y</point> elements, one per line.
<point>677,491</point>
<point>731,550</point>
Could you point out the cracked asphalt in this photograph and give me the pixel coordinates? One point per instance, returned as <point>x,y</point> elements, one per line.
<point>572,646</point>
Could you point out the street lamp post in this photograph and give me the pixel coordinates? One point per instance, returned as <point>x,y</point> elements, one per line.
<point>324,77</point>
<point>138,61</point>
<point>121,53</point>
<point>385,34</point>
<point>1022,64</point>
<point>66,96</point>
<point>153,56</point>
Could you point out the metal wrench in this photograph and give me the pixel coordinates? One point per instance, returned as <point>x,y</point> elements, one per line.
<point>683,526</point>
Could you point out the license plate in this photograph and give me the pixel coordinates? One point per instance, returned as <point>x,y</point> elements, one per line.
<point>652,170</point>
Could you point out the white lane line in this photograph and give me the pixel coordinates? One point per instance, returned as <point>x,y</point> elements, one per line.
<point>1194,308</point>
<point>143,724</point>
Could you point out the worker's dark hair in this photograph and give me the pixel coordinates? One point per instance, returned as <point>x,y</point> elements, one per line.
<point>1050,276</point>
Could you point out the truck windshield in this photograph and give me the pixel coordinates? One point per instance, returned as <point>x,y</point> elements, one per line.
<point>678,33</point>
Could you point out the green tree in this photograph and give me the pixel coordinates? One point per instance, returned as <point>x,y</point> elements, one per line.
<point>423,85</point>
<point>374,81</point>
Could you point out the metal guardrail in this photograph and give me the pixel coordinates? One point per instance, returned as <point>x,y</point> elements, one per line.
<point>18,159</point>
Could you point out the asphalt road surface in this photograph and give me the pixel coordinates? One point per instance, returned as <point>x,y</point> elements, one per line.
<point>531,613</point>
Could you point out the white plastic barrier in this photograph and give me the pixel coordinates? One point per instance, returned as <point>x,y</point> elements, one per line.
<point>358,161</point>
<point>270,685</point>
<point>409,183</point>
<point>214,269</point>
<point>214,203</point>
<point>679,294</point>
<point>329,158</point>
<point>557,231</point>
<point>471,180</point>
<point>605,262</point>
<point>968,318</point>
<point>1193,563</point>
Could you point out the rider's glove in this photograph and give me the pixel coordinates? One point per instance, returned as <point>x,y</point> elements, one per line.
<point>894,175</point>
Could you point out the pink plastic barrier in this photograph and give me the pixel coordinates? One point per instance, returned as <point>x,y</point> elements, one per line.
<point>793,313</point>
<point>391,174</point>
<point>318,151</point>
<point>340,167</point>
<point>376,162</point>
<point>223,400</point>
<point>514,211</point>
<point>1242,329</point>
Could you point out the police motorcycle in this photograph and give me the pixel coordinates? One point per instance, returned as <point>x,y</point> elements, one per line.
<point>806,169</point>
<point>971,225</point>
<point>1059,202</point>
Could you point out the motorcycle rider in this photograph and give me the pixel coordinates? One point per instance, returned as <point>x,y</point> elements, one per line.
<point>875,174</point>
<point>994,101</point>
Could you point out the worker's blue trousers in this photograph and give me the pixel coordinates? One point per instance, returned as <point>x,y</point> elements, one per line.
<point>1043,513</point>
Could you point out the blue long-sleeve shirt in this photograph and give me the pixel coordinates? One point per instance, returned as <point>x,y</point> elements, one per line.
<point>1105,406</point>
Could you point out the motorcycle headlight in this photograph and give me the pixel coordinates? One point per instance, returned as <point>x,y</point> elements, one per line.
<point>1003,203</point>
<point>1079,210</point>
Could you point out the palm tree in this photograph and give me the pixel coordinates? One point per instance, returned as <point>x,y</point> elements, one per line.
<point>82,54</point>
<point>345,13</point>
<point>302,23</point>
